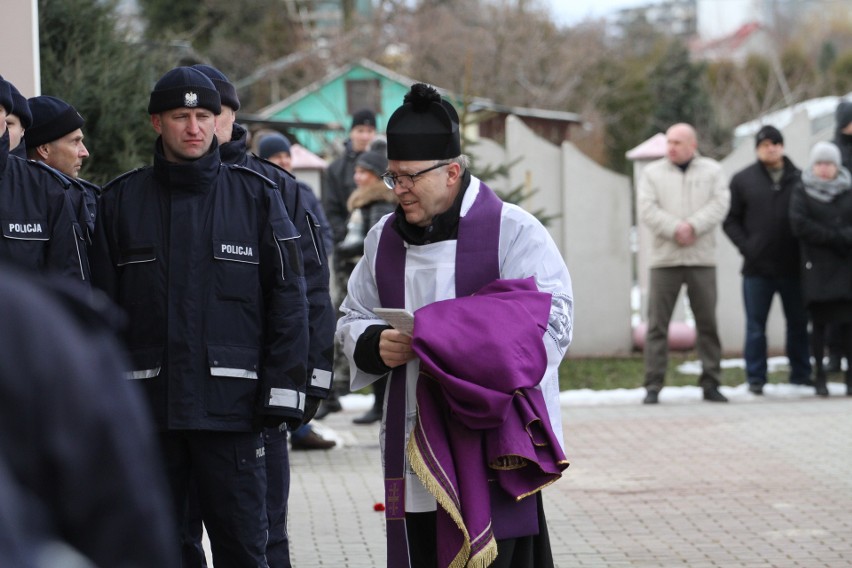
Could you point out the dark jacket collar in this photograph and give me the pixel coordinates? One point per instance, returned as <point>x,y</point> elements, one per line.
<point>197,175</point>
<point>4,151</point>
<point>444,227</point>
<point>235,151</point>
<point>790,170</point>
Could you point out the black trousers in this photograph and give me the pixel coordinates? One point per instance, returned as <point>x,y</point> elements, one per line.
<point>228,470</point>
<point>523,552</point>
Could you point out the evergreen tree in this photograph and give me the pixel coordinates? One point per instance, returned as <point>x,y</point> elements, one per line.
<point>680,95</point>
<point>87,61</point>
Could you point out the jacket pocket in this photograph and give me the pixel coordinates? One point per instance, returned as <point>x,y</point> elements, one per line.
<point>316,237</point>
<point>236,270</point>
<point>233,381</point>
<point>285,237</point>
<point>137,254</point>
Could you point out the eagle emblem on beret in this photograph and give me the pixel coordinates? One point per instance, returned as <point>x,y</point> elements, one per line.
<point>190,99</point>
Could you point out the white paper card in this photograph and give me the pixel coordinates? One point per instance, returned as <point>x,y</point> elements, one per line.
<point>397,318</point>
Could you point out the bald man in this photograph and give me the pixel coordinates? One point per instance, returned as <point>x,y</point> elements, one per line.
<point>682,199</point>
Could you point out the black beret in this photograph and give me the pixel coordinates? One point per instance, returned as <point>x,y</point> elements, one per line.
<point>271,144</point>
<point>363,117</point>
<point>22,107</point>
<point>6,96</point>
<point>425,127</point>
<point>184,87</point>
<point>227,92</point>
<point>53,118</point>
<point>768,133</point>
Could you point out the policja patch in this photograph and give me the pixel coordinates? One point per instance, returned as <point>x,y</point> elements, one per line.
<point>238,252</point>
<point>25,230</point>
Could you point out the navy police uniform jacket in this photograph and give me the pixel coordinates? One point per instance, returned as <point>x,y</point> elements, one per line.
<point>39,228</point>
<point>321,316</point>
<point>203,258</point>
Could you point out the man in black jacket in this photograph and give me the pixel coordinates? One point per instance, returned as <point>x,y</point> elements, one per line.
<point>758,223</point>
<point>338,183</point>
<point>204,259</point>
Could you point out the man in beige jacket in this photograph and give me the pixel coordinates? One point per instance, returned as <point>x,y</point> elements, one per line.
<point>682,199</point>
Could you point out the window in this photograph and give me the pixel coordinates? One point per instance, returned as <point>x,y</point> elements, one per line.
<point>363,93</point>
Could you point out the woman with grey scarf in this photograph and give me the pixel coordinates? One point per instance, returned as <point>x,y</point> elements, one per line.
<point>821,217</point>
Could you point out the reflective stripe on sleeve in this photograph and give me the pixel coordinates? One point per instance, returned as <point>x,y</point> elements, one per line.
<point>236,373</point>
<point>321,378</point>
<point>286,398</point>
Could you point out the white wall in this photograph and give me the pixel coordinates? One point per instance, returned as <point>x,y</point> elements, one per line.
<point>592,229</point>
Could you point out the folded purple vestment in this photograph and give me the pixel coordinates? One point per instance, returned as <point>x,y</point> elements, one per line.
<point>479,415</point>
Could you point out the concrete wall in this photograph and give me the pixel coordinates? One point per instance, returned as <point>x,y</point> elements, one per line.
<point>591,228</point>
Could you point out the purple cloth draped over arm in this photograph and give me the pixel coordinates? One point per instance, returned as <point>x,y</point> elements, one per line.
<point>480,415</point>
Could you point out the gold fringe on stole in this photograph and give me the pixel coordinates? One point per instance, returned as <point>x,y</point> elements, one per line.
<point>419,466</point>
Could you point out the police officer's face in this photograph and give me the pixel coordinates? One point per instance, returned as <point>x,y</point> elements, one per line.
<point>428,194</point>
<point>283,159</point>
<point>16,130</point>
<point>225,125</point>
<point>186,132</point>
<point>66,154</point>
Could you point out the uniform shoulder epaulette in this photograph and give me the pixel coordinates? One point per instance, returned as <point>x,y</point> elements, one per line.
<point>86,183</point>
<point>249,171</point>
<point>60,177</point>
<point>113,182</point>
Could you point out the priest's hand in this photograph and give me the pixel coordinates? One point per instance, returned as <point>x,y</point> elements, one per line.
<point>395,348</point>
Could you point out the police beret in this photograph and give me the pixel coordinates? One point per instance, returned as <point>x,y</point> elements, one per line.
<point>6,95</point>
<point>227,92</point>
<point>425,127</point>
<point>53,118</point>
<point>22,107</point>
<point>184,87</point>
<point>272,144</point>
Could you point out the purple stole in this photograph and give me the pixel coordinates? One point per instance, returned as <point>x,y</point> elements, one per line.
<point>477,264</point>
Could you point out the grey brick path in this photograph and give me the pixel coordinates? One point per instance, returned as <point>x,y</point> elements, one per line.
<point>759,483</point>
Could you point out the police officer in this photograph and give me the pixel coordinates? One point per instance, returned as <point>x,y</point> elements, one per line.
<point>55,137</point>
<point>75,438</point>
<point>17,122</point>
<point>232,140</point>
<point>338,183</point>
<point>39,229</point>
<point>203,258</point>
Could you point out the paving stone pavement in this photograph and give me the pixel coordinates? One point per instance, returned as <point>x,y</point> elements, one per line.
<point>762,483</point>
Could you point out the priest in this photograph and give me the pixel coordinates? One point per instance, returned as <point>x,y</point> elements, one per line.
<point>472,428</point>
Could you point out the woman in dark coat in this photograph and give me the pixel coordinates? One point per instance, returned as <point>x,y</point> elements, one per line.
<point>370,201</point>
<point>821,216</point>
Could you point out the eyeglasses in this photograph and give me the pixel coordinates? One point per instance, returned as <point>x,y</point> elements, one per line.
<point>391,180</point>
